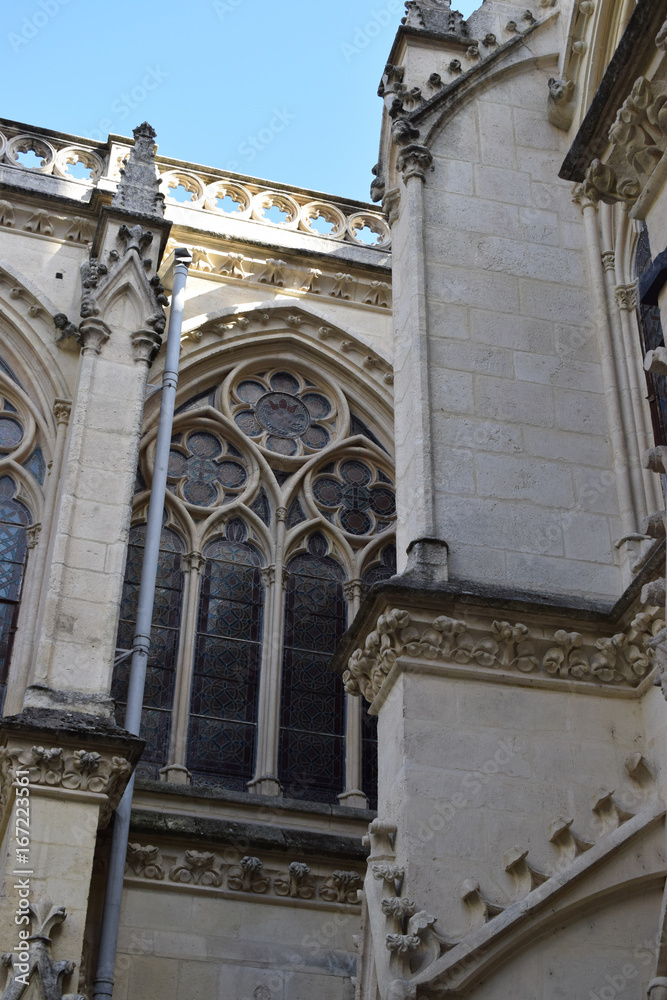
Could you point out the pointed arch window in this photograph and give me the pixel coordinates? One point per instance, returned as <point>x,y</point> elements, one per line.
<point>161,673</point>
<point>284,501</point>
<point>650,328</point>
<point>227,660</point>
<point>14,522</point>
<point>312,716</point>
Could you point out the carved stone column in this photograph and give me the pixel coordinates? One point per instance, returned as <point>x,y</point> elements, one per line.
<point>266,780</point>
<point>176,770</point>
<point>353,797</point>
<point>414,440</point>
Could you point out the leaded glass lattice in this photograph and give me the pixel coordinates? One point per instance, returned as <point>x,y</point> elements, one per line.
<point>312,715</point>
<point>284,412</point>
<point>228,652</point>
<point>202,472</point>
<point>357,497</point>
<point>651,331</point>
<point>161,673</point>
<point>369,757</point>
<point>383,569</point>
<point>14,521</point>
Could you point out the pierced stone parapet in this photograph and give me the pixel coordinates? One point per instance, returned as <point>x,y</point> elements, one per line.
<point>212,192</point>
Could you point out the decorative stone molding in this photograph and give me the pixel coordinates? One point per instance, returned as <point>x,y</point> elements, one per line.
<point>207,870</point>
<point>144,861</point>
<point>6,214</point>
<point>42,968</point>
<point>609,260</point>
<point>62,409</point>
<point>296,883</point>
<point>341,887</point>
<point>479,909</point>
<point>626,297</point>
<point>145,345</point>
<point>39,222</point>
<point>414,161</point>
<point>34,532</point>
<point>622,659</point>
<point>248,877</point>
<point>197,869</point>
<point>75,770</point>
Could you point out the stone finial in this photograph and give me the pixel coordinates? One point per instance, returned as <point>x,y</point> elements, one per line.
<point>524,877</point>
<point>568,845</point>
<point>138,190</point>
<point>609,813</point>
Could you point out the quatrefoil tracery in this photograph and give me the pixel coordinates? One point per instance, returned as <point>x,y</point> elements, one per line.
<point>205,470</point>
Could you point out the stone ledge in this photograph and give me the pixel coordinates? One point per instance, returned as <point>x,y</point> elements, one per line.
<point>261,802</point>
<point>259,837</point>
<point>44,725</point>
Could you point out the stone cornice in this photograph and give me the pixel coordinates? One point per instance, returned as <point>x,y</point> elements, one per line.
<point>623,659</point>
<point>410,592</point>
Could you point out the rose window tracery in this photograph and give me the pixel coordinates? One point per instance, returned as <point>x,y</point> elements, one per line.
<point>356,496</point>
<point>205,470</point>
<point>284,413</point>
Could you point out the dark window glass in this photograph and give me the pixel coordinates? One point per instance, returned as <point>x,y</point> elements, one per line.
<point>161,674</point>
<point>369,756</point>
<point>381,570</point>
<point>652,336</point>
<point>14,521</point>
<point>312,710</point>
<point>228,652</point>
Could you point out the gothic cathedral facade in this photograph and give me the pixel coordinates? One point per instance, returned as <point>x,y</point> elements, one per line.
<point>404,733</point>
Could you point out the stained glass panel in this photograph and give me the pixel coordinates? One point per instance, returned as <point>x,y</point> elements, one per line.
<point>312,716</point>
<point>369,757</point>
<point>202,470</point>
<point>11,433</point>
<point>161,673</point>
<point>352,498</point>
<point>650,326</point>
<point>14,520</point>
<point>36,465</point>
<point>228,652</point>
<point>262,508</point>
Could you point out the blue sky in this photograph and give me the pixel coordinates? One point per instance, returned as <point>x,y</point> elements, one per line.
<point>280,90</point>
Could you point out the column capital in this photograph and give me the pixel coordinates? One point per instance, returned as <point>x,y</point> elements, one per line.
<point>62,409</point>
<point>414,160</point>
<point>626,297</point>
<point>194,561</point>
<point>93,335</point>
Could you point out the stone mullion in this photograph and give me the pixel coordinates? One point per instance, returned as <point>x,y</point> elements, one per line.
<point>266,780</point>
<point>176,770</point>
<point>35,569</point>
<point>353,796</point>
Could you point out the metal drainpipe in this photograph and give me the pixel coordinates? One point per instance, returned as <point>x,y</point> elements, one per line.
<point>104,982</point>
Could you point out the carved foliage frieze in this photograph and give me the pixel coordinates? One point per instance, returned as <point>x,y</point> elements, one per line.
<point>622,659</point>
<point>638,140</point>
<point>74,770</point>
<point>249,875</point>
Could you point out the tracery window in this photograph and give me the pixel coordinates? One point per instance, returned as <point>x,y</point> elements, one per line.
<point>651,331</point>
<point>22,474</point>
<point>227,662</point>
<point>161,671</point>
<point>283,501</point>
<point>14,521</point>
